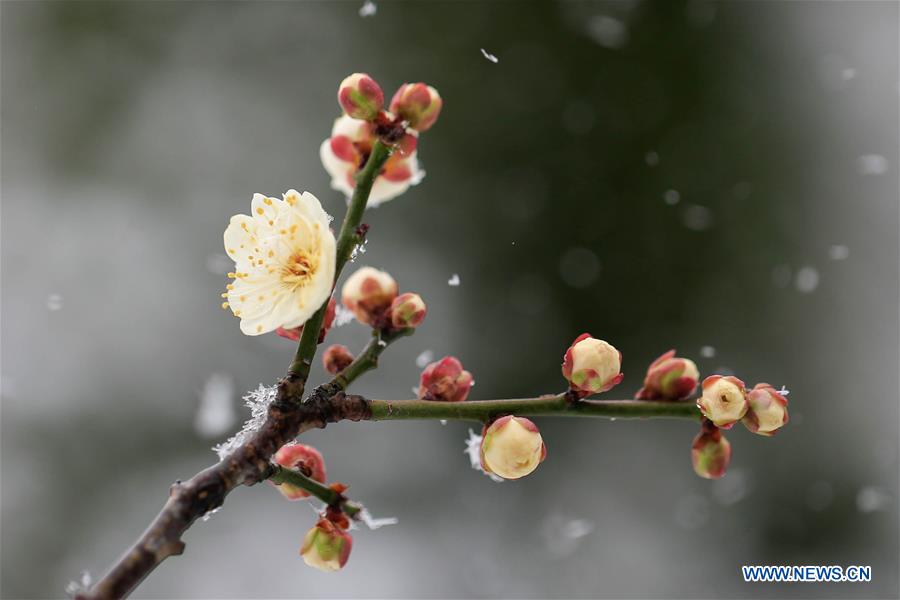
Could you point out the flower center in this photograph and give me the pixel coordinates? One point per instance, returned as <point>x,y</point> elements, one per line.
<point>299,268</point>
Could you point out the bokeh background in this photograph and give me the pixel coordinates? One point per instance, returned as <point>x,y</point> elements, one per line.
<point>716,177</point>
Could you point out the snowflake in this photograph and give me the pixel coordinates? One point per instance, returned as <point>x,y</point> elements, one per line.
<point>258,401</point>
<point>473,449</point>
<point>82,586</point>
<point>342,315</point>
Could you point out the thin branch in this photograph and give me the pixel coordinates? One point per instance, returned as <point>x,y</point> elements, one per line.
<point>349,236</point>
<point>559,405</point>
<point>322,492</point>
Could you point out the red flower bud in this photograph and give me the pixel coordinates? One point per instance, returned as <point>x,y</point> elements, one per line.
<point>326,546</point>
<point>511,447</point>
<point>368,293</point>
<point>445,381</point>
<point>767,410</point>
<point>723,400</point>
<point>295,333</point>
<point>710,452</point>
<point>360,97</point>
<point>407,310</point>
<point>417,104</point>
<point>669,378</point>
<point>592,366</point>
<point>336,358</point>
<point>303,458</point>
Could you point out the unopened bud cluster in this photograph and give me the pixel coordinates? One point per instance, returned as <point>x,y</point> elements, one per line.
<point>725,401</point>
<point>414,108</point>
<point>371,295</point>
<point>327,545</point>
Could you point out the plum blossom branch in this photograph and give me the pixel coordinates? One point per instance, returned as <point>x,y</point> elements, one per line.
<point>559,405</point>
<point>349,236</point>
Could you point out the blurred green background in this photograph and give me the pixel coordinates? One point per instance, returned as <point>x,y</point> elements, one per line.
<point>716,177</point>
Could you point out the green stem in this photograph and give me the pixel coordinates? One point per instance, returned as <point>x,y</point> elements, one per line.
<point>347,239</point>
<point>322,492</point>
<point>368,358</point>
<point>558,405</point>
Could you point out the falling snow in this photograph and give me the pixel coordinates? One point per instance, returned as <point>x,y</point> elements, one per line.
<point>671,197</point>
<point>608,31</point>
<point>473,449</point>
<point>215,413</point>
<point>563,535</point>
<point>651,158</point>
<point>368,9</point>
<point>697,218</point>
<point>872,164</point>
<point>424,357</point>
<point>54,302</point>
<point>872,499</point>
<point>453,281</point>
<point>258,402</point>
<point>219,264</point>
<point>707,351</point>
<point>489,56</point>
<point>838,252</point>
<point>82,586</point>
<point>806,280</point>
<point>342,315</point>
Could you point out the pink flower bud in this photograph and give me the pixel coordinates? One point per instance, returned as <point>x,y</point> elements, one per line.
<point>407,310</point>
<point>511,447</point>
<point>303,458</point>
<point>767,410</point>
<point>710,452</point>
<point>295,333</point>
<point>592,366</point>
<point>368,293</point>
<point>360,97</point>
<point>418,104</point>
<point>326,546</point>
<point>723,401</point>
<point>336,358</point>
<point>445,381</point>
<point>669,378</point>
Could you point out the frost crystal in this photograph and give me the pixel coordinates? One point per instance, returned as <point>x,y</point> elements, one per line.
<point>342,315</point>
<point>215,414</point>
<point>368,9</point>
<point>473,449</point>
<point>82,586</point>
<point>453,281</point>
<point>373,523</point>
<point>208,515</point>
<point>258,401</point>
<point>489,56</point>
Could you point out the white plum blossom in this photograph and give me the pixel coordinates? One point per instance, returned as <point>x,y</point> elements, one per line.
<point>347,150</point>
<point>284,255</point>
